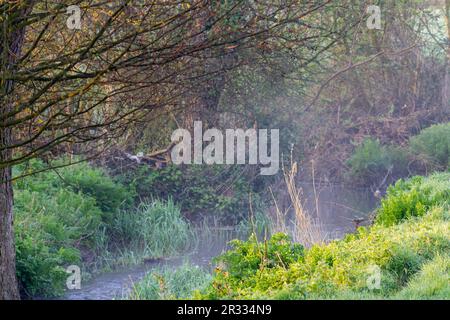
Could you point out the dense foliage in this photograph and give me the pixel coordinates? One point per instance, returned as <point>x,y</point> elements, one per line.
<point>414,197</point>
<point>371,159</point>
<point>201,191</point>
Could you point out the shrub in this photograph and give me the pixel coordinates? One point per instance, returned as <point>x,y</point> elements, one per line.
<point>95,182</point>
<point>109,195</point>
<point>40,267</point>
<point>341,267</point>
<point>49,232</point>
<point>413,197</point>
<point>370,160</point>
<point>432,145</point>
<point>397,159</point>
<point>60,218</point>
<point>79,214</point>
<point>246,257</point>
<point>64,215</point>
<point>239,265</point>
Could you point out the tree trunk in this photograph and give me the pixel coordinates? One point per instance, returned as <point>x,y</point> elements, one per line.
<point>8,282</point>
<point>10,48</point>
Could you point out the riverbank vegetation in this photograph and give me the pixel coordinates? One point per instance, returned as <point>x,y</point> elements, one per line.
<point>79,215</point>
<point>405,255</point>
<point>82,215</point>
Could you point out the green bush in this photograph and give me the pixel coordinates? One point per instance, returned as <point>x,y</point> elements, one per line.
<point>246,257</point>
<point>110,196</point>
<point>432,145</point>
<point>249,258</point>
<point>171,283</point>
<point>413,197</point>
<point>95,182</point>
<point>61,217</point>
<point>371,160</point>
<point>80,215</point>
<point>342,267</point>
<point>49,233</point>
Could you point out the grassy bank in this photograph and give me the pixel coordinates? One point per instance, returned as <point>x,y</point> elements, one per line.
<point>80,216</point>
<point>404,255</point>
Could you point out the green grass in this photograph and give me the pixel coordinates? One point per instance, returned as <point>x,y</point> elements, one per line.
<point>171,283</point>
<point>155,230</point>
<point>431,282</point>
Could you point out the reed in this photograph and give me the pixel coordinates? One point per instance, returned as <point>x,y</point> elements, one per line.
<point>303,227</point>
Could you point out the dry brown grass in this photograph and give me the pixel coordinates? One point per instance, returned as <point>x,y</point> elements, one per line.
<point>304,229</point>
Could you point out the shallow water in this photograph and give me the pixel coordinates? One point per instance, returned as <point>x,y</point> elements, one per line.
<point>108,286</point>
<point>336,209</point>
<point>117,284</point>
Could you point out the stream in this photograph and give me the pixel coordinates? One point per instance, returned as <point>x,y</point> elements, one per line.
<point>337,209</point>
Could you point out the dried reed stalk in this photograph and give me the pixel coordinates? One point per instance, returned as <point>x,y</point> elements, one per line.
<point>306,230</point>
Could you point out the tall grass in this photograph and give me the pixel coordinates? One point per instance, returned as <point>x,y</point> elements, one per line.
<point>305,229</point>
<point>156,230</point>
<point>258,223</point>
<point>432,282</point>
